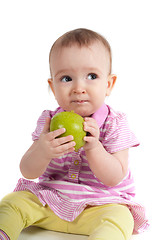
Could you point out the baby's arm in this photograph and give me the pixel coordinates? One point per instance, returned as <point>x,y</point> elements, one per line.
<point>35,161</point>
<point>108,168</point>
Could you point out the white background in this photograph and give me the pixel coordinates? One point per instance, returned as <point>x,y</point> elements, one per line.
<point>27,32</point>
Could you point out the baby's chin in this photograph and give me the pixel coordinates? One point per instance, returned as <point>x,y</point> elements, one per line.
<point>81,113</point>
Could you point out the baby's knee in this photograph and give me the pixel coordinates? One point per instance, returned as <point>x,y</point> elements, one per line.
<point>9,199</point>
<point>127,222</point>
<point>12,219</point>
<point>12,198</point>
<point>115,222</point>
<point>121,220</point>
<point>15,201</point>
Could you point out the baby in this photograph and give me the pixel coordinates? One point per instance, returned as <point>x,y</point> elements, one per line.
<point>89,192</point>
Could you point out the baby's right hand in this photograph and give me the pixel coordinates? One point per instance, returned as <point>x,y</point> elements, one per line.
<point>53,147</point>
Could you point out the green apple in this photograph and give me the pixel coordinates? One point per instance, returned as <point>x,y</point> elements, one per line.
<point>73,123</point>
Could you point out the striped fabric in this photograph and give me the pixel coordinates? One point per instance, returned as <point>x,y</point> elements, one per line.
<point>3,236</point>
<point>68,184</point>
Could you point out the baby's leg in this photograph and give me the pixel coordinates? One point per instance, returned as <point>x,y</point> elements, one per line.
<point>19,210</point>
<point>108,222</point>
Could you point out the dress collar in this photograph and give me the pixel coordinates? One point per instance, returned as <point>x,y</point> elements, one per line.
<point>101,114</point>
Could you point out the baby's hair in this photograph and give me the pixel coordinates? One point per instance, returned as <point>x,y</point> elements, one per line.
<point>83,38</point>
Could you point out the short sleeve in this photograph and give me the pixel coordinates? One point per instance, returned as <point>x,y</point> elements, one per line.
<point>40,124</point>
<point>118,135</point>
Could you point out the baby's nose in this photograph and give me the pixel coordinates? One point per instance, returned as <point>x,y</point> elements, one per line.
<point>79,91</point>
<point>79,88</point>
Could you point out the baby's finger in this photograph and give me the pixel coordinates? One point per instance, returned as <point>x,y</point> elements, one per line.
<point>91,123</point>
<point>65,148</point>
<point>89,139</point>
<point>46,128</point>
<point>63,140</point>
<point>92,131</point>
<point>52,135</point>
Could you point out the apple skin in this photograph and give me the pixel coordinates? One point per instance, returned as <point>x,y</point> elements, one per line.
<point>73,123</point>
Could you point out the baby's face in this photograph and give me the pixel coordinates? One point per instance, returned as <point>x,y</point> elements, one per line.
<point>80,77</point>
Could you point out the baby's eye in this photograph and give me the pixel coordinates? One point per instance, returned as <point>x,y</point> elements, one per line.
<point>92,76</point>
<point>66,79</point>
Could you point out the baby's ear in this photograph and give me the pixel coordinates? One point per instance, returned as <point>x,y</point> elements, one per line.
<point>50,82</point>
<point>110,83</point>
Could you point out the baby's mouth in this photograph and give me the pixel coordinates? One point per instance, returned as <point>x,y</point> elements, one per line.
<point>80,101</point>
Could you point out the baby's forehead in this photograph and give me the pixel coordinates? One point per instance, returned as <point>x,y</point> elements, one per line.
<point>57,49</point>
<point>58,45</point>
<point>90,56</point>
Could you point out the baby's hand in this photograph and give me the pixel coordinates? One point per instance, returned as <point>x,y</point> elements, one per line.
<point>92,139</point>
<point>53,147</point>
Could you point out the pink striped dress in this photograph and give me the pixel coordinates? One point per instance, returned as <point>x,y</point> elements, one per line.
<point>68,185</point>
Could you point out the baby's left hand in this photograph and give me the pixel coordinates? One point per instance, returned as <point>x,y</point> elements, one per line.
<point>92,140</point>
